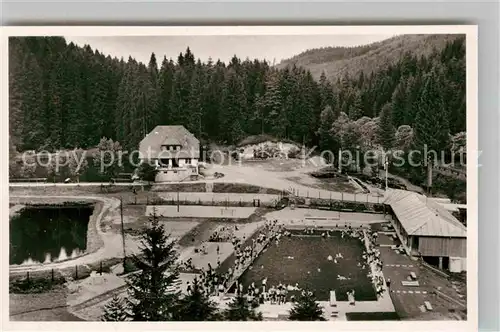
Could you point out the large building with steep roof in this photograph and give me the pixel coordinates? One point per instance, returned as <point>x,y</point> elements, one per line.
<point>428,230</point>
<point>173,150</point>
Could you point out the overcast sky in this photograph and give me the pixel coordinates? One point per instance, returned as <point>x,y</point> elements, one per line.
<point>271,48</point>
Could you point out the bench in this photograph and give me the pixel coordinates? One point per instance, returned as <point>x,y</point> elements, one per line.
<point>428,305</point>
<point>413,275</point>
<point>333,299</point>
<point>410,283</point>
<point>334,314</point>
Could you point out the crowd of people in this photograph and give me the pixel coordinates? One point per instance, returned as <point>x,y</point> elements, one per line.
<point>217,283</point>
<point>372,256</point>
<point>223,234</point>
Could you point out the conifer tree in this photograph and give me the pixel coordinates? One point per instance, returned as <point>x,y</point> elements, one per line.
<point>240,309</point>
<point>152,293</point>
<point>386,128</point>
<point>115,311</point>
<point>356,109</point>
<point>431,123</point>
<point>306,308</point>
<point>196,306</point>
<point>398,104</point>
<point>325,127</point>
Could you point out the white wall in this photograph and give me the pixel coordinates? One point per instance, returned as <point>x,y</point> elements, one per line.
<point>458,264</point>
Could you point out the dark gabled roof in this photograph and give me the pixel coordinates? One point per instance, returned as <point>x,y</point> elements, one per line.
<point>150,146</point>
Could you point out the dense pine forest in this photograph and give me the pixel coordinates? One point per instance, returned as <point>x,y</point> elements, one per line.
<point>66,96</point>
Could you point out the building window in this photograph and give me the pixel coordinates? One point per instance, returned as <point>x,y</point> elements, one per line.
<point>188,161</point>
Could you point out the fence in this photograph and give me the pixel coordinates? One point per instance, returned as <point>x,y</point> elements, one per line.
<point>55,276</point>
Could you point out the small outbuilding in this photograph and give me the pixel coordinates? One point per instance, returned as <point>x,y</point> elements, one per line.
<point>426,229</point>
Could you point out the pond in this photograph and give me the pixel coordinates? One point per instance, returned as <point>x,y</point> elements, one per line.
<point>44,233</point>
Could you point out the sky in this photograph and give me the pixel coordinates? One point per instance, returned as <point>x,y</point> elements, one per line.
<point>270,48</point>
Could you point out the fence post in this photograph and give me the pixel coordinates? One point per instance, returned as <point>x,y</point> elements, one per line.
<point>308,194</point>
<point>52,275</point>
<point>76,272</point>
<point>28,276</point>
<point>100,268</point>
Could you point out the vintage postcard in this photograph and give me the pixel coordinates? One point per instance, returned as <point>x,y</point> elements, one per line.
<point>272,175</point>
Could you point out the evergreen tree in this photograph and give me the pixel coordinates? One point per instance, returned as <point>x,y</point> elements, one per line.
<point>431,123</point>
<point>386,128</point>
<point>233,104</point>
<point>196,306</point>
<point>356,109</point>
<point>152,293</point>
<point>306,308</point>
<point>398,104</point>
<point>66,96</point>
<point>240,309</point>
<point>115,311</point>
<point>325,127</point>
<point>272,102</point>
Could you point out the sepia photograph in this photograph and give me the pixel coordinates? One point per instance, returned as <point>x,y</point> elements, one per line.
<point>257,174</point>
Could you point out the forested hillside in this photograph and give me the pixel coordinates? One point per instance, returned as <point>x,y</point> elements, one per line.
<point>338,62</point>
<point>65,96</point>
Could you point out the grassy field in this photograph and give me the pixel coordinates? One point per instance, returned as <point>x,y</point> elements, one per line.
<point>48,306</point>
<point>310,267</point>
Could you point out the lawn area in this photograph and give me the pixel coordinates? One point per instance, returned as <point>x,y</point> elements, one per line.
<point>310,254</point>
<point>48,306</point>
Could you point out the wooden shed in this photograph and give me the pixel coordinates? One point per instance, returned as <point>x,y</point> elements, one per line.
<point>427,229</point>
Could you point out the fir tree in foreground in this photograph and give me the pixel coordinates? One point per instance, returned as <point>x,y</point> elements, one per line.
<point>196,306</point>
<point>306,308</point>
<point>152,294</point>
<point>115,311</point>
<point>240,309</point>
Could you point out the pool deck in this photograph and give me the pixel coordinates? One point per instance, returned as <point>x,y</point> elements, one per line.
<point>275,311</point>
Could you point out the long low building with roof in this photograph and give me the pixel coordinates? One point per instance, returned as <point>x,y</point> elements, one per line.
<point>428,230</point>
